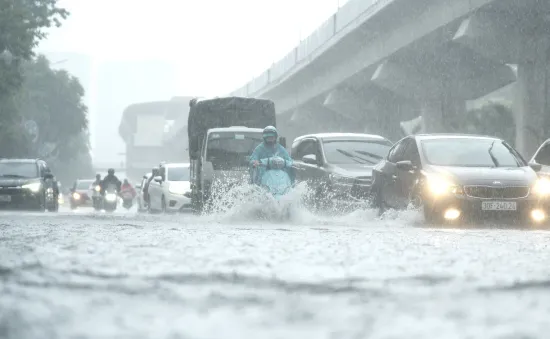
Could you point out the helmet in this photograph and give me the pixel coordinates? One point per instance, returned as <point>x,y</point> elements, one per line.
<point>98,176</point>
<point>270,131</point>
<point>125,181</point>
<point>111,171</point>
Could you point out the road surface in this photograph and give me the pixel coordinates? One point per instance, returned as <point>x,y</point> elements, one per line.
<point>126,275</point>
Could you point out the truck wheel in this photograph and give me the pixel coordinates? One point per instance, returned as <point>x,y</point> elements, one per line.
<point>196,205</point>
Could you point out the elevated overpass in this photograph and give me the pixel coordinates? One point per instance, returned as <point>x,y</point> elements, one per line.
<point>375,63</point>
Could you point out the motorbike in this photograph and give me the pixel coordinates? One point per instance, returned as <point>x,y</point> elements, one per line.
<point>276,182</point>
<point>110,198</point>
<point>127,199</point>
<point>97,198</point>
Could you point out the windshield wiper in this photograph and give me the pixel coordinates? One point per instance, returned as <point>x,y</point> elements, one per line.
<point>372,155</point>
<point>353,157</point>
<point>12,176</point>
<point>495,161</point>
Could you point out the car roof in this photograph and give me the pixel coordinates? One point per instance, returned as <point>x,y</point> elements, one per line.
<point>235,129</point>
<point>343,136</point>
<point>432,136</point>
<point>28,161</point>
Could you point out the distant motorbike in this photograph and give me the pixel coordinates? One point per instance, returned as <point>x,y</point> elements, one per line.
<point>110,198</point>
<point>97,199</point>
<point>127,199</point>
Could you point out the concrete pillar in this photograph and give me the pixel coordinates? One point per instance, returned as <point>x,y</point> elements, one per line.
<point>438,116</point>
<point>531,103</point>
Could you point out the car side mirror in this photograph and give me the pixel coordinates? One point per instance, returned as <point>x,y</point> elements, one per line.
<point>187,194</point>
<point>48,176</point>
<point>310,159</point>
<point>536,167</point>
<point>282,141</point>
<point>405,165</point>
<point>158,178</point>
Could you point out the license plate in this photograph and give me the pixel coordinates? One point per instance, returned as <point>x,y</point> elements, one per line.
<point>498,206</point>
<point>5,198</point>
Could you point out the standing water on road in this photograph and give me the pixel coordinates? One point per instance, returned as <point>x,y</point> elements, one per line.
<point>128,275</point>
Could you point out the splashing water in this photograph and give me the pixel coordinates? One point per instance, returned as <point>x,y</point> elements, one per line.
<point>247,203</point>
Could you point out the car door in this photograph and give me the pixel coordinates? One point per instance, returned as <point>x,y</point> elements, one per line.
<point>310,173</point>
<point>155,191</point>
<point>388,174</point>
<point>406,179</point>
<point>542,157</point>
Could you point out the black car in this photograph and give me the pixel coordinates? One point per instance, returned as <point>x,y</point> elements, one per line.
<point>27,184</point>
<point>456,177</point>
<point>338,166</point>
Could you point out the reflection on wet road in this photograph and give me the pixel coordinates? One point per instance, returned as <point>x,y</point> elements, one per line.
<point>86,275</point>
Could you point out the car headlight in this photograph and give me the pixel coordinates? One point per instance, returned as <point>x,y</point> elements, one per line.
<point>76,196</point>
<point>542,187</point>
<point>34,187</point>
<point>438,186</point>
<point>110,197</point>
<point>177,188</point>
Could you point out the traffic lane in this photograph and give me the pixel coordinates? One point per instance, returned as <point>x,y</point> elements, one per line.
<point>150,276</point>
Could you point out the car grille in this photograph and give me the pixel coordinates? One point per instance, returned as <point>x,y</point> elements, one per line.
<point>488,192</point>
<point>361,187</point>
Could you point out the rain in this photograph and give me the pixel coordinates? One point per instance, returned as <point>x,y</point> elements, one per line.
<point>274,169</point>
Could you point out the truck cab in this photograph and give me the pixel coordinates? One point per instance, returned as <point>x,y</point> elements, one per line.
<point>223,160</point>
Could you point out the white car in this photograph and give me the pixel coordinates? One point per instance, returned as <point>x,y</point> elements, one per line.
<point>171,190</point>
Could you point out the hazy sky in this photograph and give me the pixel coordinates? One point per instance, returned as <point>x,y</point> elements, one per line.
<point>218,45</point>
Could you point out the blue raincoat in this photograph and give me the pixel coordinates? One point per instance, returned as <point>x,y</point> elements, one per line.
<point>263,151</point>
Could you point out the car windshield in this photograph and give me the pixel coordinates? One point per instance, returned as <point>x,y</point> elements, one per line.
<point>469,152</point>
<point>84,185</point>
<point>230,150</point>
<point>368,152</point>
<point>177,173</point>
<point>19,169</point>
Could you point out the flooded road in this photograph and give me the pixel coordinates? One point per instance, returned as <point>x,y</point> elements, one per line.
<point>86,275</point>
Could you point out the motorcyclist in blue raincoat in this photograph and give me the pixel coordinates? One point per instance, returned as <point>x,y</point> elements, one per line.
<point>269,148</point>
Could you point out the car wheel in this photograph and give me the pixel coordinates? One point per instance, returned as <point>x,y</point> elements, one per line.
<point>196,204</point>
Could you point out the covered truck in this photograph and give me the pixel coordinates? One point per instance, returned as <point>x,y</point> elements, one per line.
<point>223,132</point>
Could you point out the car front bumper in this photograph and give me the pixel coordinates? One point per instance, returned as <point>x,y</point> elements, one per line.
<point>16,198</point>
<point>177,202</point>
<point>462,207</point>
<point>351,194</point>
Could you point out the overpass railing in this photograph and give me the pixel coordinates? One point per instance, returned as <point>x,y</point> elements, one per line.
<point>303,53</point>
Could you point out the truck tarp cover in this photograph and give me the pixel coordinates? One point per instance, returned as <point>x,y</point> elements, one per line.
<point>227,112</point>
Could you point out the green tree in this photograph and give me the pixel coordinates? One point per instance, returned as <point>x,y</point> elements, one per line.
<point>22,25</point>
<point>53,99</point>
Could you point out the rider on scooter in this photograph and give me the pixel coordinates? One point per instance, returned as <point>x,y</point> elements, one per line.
<point>127,187</point>
<point>270,147</point>
<point>110,178</point>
